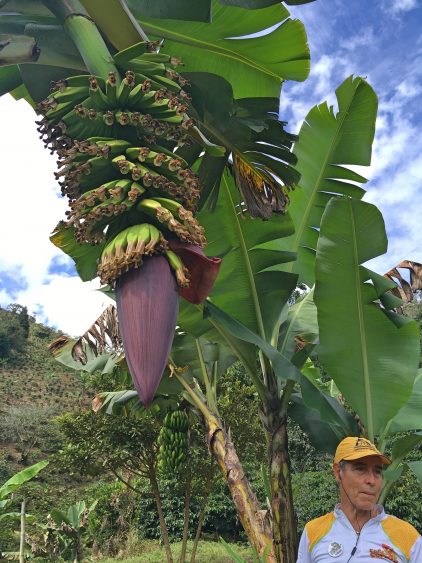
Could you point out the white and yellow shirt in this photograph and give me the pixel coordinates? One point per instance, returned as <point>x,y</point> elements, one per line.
<point>383,538</point>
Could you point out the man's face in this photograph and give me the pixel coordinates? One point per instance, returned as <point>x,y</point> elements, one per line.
<point>360,482</point>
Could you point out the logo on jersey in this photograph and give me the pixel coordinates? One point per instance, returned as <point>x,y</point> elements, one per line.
<point>387,553</point>
<point>335,549</point>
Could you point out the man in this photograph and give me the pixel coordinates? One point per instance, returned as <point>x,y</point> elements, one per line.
<point>359,530</point>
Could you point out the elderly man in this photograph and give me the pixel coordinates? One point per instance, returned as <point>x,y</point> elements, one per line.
<point>359,530</point>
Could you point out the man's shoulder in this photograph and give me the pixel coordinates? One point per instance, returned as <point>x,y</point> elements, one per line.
<point>317,528</point>
<point>393,523</point>
<point>401,533</point>
<point>321,521</point>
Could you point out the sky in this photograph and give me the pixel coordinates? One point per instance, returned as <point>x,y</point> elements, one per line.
<point>377,39</point>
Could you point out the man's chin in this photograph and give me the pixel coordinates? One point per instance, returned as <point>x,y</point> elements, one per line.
<point>367,504</point>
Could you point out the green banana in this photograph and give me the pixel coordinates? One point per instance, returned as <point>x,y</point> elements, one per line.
<point>111,89</point>
<point>126,86</point>
<point>180,271</point>
<point>125,55</point>
<point>126,251</point>
<point>81,80</point>
<point>140,96</point>
<point>97,96</point>
<point>167,82</point>
<point>136,191</point>
<point>145,67</point>
<point>68,94</point>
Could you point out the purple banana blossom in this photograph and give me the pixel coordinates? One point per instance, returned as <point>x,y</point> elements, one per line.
<point>147,307</point>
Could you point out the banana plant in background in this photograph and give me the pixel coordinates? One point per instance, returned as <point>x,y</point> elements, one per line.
<point>63,533</point>
<point>6,490</point>
<point>376,345</point>
<point>14,483</point>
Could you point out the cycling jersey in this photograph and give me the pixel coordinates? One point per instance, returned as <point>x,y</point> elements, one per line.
<point>383,538</point>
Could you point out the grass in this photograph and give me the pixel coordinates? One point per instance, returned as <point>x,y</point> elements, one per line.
<point>151,552</point>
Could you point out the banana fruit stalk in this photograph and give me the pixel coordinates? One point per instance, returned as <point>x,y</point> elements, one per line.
<point>129,190</point>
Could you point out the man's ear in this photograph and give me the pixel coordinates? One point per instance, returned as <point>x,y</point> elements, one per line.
<point>336,471</point>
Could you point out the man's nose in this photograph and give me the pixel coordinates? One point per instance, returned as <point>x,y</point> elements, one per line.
<point>371,477</point>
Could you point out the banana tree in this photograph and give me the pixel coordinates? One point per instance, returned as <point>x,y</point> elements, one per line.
<point>249,310</point>
<point>14,483</point>
<point>64,531</point>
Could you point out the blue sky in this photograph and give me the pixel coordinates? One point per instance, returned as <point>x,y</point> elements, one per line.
<point>378,39</point>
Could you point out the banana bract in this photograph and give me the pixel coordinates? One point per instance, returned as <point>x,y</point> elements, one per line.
<point>147,308</point>
<point>129,190</point>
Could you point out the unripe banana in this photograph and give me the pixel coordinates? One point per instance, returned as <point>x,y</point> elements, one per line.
<point>111,89</point>
<point>97,96</point>
<point>125,88</point>
<point>180,271</point>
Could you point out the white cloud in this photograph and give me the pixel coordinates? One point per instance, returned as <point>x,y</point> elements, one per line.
<point>65,302</point>
<point>409,88</point>
<point>31,207</point>
<point>365,37</point>
<point>398,6</point>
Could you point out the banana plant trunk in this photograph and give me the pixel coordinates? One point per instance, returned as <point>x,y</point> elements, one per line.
<point>253,519</point>
<point>283,513</point>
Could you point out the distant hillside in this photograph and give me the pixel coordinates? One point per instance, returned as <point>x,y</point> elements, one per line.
<point>29,375</point>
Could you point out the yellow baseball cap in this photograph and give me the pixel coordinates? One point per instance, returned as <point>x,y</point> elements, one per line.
<point>354,447</point>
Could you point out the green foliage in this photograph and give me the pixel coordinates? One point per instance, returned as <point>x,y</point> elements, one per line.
<point>220,517</point>
<point>94,443</point>
<point>29,427</point>
<point>113,519</point>
<point>237,402</point>
<point>151,551</point>
<point>403,500</point>
<point>14,330</point>
<point>315,493</point>
<point>64,532</point>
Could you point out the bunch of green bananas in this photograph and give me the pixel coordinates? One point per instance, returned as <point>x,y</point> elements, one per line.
<point>117,166</point>
<point>173,442</point>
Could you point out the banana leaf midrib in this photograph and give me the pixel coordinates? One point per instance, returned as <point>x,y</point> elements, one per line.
<point>297,237</point>
<point>193,42</point>
<point>247,263</point>
<point>363,347</point>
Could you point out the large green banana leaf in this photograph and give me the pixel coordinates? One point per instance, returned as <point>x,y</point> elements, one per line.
<point>250,286</point>
<point>19,478</point>
<point>371,352</point>
<point>254,66</point>
<point>409,417</point>
<point>323,435</point>
<point>328,142</point>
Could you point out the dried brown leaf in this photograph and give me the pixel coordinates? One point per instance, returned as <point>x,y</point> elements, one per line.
<point>404,289</point>
<point>260,191</point>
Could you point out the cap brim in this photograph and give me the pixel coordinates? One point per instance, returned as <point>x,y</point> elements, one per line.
<point>359,455</point>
